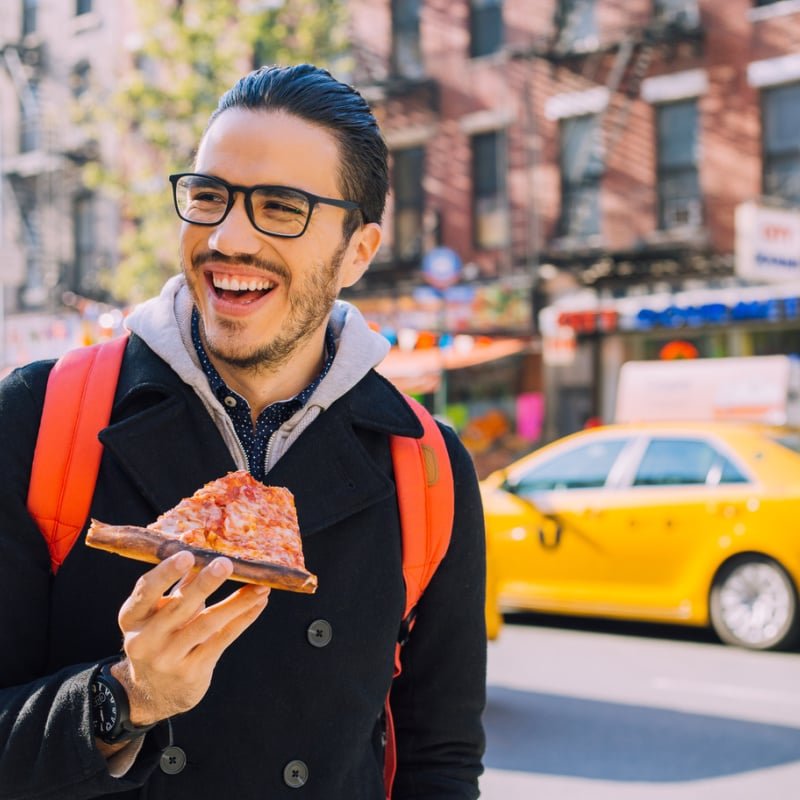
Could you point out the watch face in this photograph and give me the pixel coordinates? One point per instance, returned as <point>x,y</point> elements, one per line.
<point>105,709</point>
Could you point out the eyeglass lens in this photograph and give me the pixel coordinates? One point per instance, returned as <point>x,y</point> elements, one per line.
<point>279,210</point>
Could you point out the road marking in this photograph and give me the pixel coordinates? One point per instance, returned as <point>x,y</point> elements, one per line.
<point>726,690</point>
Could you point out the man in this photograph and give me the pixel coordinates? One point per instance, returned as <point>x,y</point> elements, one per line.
<point>247,360</point>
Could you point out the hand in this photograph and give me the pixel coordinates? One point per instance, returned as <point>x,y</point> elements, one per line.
<point>172,641</point>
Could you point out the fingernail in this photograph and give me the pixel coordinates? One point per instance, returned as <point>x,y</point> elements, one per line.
<point>220,567</point>
<point>260,590</point>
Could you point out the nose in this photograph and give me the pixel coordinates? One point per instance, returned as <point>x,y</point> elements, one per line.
<point>235,234</point>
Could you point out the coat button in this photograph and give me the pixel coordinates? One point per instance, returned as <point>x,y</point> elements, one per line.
<point>295,774</point>
<point>173,760</point>
<point>319,633</point>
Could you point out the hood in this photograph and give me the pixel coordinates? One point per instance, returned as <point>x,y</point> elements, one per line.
<point>164,323</point>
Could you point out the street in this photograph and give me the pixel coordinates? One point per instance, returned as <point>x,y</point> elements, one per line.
<point>595,711</point>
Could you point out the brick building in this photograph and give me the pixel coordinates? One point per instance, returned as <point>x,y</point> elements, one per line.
<point>634,165</point>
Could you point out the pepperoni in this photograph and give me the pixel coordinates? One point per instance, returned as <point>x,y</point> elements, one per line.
<point>238,516</point>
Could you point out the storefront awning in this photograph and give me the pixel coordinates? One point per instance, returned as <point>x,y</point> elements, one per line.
<point>586,312</point>
<point>419,371</point>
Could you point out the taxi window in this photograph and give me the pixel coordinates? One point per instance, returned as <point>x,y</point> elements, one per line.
<point>682,462</point>
<point>583,467</point>
<point>789,440</point>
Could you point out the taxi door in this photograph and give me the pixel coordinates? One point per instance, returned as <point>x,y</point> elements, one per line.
<point>662,526</point>
<point>554,551</point>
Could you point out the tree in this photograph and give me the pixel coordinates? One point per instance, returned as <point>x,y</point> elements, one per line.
<point>188,53</point>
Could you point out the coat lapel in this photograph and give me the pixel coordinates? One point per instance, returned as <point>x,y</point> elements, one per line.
<point>160,434</point>
<point>330,470</point>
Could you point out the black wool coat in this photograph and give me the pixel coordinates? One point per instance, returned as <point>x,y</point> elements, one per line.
<point>280,711</point>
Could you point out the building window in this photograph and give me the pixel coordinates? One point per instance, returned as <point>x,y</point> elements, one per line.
<point>409,202</point>
<point>406,50</point>
<point>32,293</point>
<point>683,13</point>
<point>29,132</point>
<point>485,27</point>
<point>83,7</point>
<point>679,198</point>
<point>29,9</point>
<point>489,169</point>
<point>576,24</point>
<point>79,78</point>
<point>581,162</point>
<point>84,278</point>
<point>781,142</point>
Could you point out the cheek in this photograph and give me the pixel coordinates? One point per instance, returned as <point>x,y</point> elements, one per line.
<point>192,240</point>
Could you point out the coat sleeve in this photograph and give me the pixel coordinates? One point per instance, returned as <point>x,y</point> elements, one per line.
<point>46,745</point>
<point>438,699</point>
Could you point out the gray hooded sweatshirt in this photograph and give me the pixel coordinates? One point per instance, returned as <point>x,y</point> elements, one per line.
<point>164,323</point>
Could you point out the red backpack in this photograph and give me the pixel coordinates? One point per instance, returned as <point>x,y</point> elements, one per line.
<point>77,405</point>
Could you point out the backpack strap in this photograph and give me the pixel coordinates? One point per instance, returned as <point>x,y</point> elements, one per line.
<point>77,405</point>
<point>424,480</point>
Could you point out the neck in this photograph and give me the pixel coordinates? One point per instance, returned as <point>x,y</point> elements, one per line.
<point>266,384</point>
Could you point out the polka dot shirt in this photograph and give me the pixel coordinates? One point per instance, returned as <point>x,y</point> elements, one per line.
<point>255,440</point>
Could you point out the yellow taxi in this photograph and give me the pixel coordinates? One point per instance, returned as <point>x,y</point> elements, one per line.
<point>691,523</point>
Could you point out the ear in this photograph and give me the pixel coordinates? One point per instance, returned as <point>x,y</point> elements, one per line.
<point>360,252</point>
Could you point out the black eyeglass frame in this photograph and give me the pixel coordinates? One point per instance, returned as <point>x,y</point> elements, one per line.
<point>247,191</point>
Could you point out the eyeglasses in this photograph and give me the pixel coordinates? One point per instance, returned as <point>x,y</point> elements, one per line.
<point>274,210</point>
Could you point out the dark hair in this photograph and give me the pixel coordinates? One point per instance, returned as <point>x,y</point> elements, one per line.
<point>314,95</point>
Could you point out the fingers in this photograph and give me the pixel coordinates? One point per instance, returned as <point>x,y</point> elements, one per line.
<point>150,588</point>
<point>220,625</point>
<point>172,641</point>
<point>187,597</point>
<point>168,648</point>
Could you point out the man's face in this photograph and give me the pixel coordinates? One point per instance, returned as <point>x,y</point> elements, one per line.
<point>286,287</point>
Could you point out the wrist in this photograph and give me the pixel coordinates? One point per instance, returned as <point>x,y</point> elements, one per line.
<point>111,717</point>
<point>139,705</point>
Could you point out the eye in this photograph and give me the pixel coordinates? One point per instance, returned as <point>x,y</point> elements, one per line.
<point>283,206</point>
<point>207,194</point>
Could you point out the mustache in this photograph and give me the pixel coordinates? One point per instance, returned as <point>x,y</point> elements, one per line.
<point>245,259</point>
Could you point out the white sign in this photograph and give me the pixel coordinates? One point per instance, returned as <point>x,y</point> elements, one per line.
<point>767,243</point>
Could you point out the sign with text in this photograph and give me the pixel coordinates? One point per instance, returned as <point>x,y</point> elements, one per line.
<point>767,242</point>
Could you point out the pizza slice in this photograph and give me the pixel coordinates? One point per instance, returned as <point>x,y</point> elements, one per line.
<point>235,516</point>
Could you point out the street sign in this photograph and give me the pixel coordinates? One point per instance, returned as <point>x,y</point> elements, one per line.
<point>441,267</point>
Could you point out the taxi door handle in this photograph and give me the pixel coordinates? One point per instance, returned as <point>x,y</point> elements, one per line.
<point>552,543</point>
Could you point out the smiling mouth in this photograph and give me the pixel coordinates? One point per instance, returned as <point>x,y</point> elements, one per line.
<point>242,289</point>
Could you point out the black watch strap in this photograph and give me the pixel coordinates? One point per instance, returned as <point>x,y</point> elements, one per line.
<point>111,710</point>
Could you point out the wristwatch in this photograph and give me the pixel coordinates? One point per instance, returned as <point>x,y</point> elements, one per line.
<point>111,710</point>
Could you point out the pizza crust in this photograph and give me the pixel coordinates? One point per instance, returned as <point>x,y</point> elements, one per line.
<point>144,544</point>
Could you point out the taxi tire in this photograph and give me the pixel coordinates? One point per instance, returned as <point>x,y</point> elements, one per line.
<point>786,635</point>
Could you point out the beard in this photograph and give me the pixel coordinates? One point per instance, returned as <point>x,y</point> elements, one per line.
<point>309,307</point>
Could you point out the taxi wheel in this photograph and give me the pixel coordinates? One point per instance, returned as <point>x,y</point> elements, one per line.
<point>754,604</point>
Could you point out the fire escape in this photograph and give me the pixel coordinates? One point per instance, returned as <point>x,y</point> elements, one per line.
<point>30,178</point>
<point>617,62</point>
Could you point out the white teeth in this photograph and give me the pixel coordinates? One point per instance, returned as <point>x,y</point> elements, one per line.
<point>232,284</point>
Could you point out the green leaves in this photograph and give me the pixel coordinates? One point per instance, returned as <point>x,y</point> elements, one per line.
<point>187,54</point>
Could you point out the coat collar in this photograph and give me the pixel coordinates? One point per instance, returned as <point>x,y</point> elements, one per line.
<point>163,439</point>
